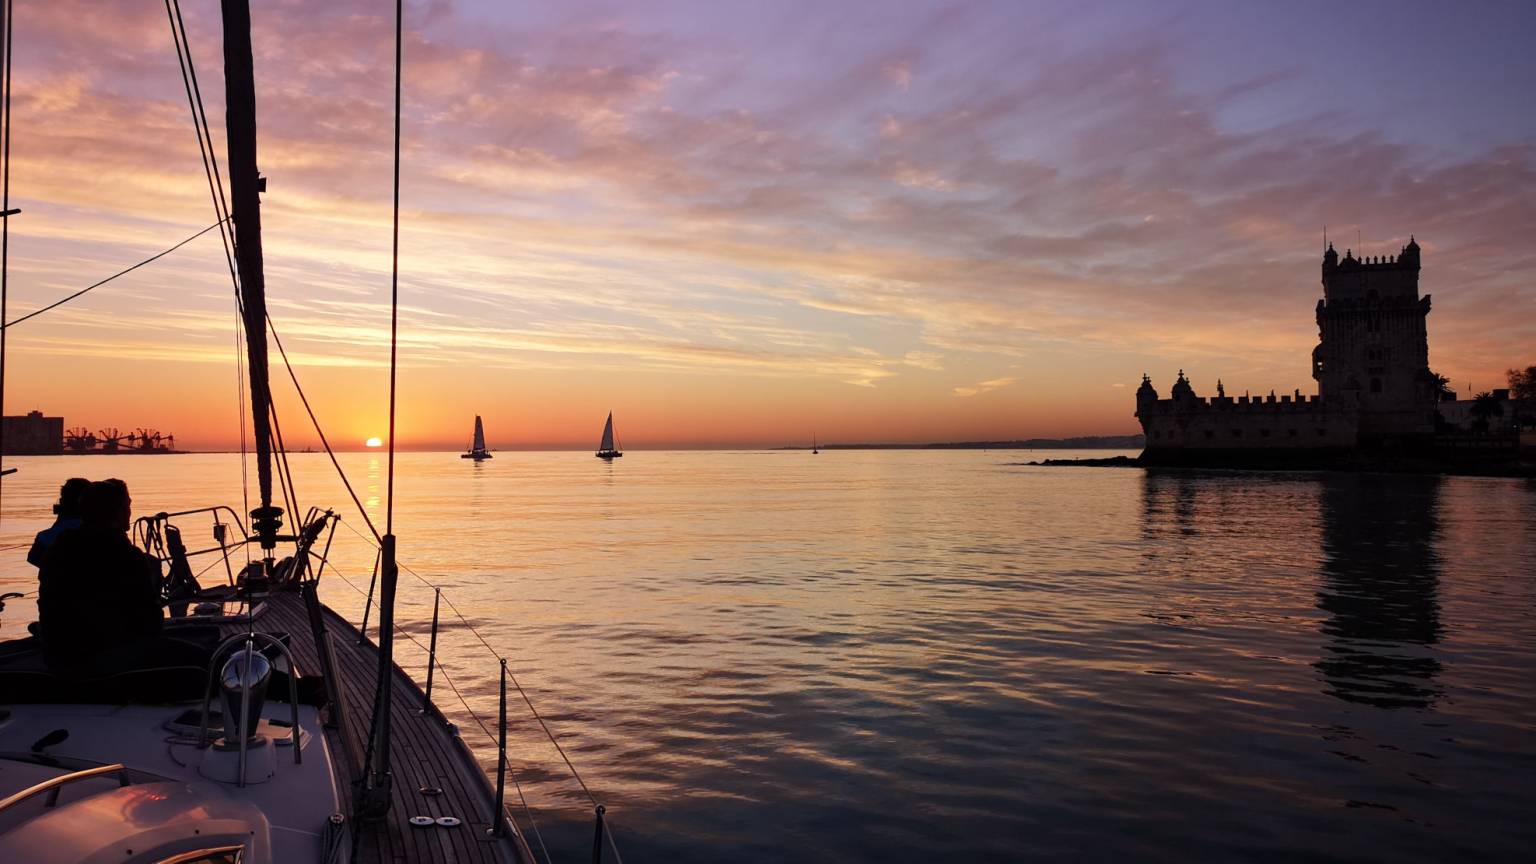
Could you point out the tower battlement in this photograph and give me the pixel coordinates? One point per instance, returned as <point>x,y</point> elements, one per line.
<point>1377,276</point>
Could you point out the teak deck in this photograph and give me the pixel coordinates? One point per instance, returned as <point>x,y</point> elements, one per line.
<point>425,751</point>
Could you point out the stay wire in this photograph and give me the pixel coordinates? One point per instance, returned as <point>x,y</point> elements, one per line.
<point>394,278</point>
<point>5,205</point>
<point>271,328</point>
<point>284,473</point>
<point>204,138</point>
<point>221,210</point>
<point>124,272</point>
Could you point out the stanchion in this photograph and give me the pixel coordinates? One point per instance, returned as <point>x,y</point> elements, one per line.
<point>362,632</point>
<point>498,820</point>
<point>437,599</point>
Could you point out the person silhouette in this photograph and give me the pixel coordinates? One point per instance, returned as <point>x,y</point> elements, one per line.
<point>98,594</point>
<point>66,516</point>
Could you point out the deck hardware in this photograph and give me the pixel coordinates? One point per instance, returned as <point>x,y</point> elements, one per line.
<point>426,700</point>
<point>448,822</point>
<point>431,791</point>
<point>293,691</point>
<point>309,590</point>
<point>54,738</point>
<point>422,822</point>
<point>498,820</point>
<point>597,836</point>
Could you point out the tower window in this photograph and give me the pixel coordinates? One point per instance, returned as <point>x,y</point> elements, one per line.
<point>1375,385</point>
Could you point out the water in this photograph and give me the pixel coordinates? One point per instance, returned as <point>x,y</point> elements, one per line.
<point>946,656</point>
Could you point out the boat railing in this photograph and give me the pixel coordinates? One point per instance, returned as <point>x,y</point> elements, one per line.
<point>150,534</point>
<point>54,785</point>
<point>312,563</point>
<point>497,739</point>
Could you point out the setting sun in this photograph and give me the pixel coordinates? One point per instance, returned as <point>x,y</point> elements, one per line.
<point>374,442</point>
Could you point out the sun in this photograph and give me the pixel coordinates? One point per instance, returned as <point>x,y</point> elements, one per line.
<point>374,442</point>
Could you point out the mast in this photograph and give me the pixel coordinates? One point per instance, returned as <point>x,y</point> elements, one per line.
<point>245,187</point>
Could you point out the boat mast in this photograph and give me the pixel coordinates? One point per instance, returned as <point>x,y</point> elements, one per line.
<point>245,187</point>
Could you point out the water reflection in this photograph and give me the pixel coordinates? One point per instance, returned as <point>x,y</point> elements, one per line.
<point>1380,587</point>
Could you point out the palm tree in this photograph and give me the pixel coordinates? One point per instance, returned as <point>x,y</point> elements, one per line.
<point>1484,409</point>
<point>1443,390</point>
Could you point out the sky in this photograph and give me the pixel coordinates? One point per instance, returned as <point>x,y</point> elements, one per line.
<point>739,224</point>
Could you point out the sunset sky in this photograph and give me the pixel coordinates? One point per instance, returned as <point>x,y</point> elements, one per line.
<point>738,223</point>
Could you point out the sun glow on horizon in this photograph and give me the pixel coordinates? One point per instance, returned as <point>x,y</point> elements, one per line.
<point>374,442</point>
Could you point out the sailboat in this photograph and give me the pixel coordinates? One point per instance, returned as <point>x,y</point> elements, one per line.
<point>606,448</point>
<point>477,450</point>
<point>814,448</point>
<point>300,739</point>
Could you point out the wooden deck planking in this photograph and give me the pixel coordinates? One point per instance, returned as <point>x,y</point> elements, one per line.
<point>423,751</point>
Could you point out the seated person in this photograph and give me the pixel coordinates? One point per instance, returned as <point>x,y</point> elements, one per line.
<point>66,516</point>
<point>98,599</point>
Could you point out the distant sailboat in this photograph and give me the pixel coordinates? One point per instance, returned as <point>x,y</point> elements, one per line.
<point>814,448</point>
<point>607,450</point>
<point>477,450</point>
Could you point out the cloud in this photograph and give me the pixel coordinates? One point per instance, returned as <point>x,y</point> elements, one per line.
<point>984,387</point>
<point>586,192</point>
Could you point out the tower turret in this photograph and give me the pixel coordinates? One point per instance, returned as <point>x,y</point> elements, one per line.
<point>1372,342</point>
<point>1182,389</point>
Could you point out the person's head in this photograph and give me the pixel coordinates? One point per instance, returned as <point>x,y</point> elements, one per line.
<point>105,506</point>
<point>69,496</point>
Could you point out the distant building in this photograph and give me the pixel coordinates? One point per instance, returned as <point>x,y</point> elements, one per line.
<point>1371,364</point>
<point>1508,415</point>
<point>33,435</point>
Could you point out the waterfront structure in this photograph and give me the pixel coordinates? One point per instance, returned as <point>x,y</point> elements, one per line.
<point>1371,364</point>
<point>33,435</point>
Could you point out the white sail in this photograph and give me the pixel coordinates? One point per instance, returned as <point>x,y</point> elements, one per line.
<point>479,435</point>
<point>607,445</point>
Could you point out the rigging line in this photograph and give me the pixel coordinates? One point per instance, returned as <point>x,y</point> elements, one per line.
<point>155,257</point>
<point>323,442</point>
<point>221,211</point>
<point>394,281</point>
<point>484,727</point>
<point>284,472</point>
<point>184,59</point>
<point>284,475</point>
<point>245,480</point>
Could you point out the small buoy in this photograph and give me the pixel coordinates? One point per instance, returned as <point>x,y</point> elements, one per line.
<point>423,821</point>
<point>449,821</point>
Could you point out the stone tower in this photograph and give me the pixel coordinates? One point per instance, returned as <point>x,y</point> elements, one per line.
<point>1373,349</point>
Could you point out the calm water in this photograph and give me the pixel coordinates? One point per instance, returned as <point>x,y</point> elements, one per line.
<point>948,657</point>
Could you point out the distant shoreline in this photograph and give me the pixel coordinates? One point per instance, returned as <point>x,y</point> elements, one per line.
<point>1087,442</point>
